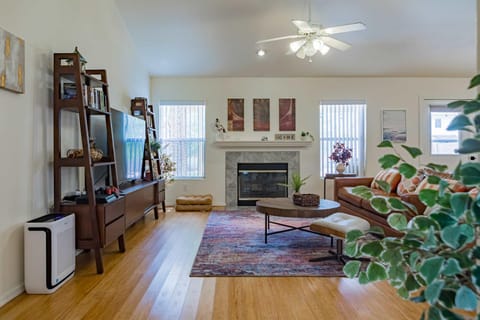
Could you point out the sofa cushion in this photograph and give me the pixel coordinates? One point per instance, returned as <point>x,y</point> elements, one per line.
<point>453,185</point>
<point>390,176</point>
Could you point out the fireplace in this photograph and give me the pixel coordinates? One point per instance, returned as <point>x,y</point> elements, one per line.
<point>234,158</point>
<point>261,180</point>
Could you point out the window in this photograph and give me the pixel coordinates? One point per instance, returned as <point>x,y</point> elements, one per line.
<point>182,136</point>
<point>442,142</point>
<point>342,122</point>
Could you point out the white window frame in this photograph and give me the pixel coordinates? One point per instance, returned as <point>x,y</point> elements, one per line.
<point>203,140</point>
<point>357,165</point>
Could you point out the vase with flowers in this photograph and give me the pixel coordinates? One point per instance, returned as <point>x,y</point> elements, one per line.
<point>341,155</point>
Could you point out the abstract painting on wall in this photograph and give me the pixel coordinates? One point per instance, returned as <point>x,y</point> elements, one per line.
<point>12,62</point>
<point>261,114</point>
<point>394,125</point>
<point>236,115</point>
<point>286,111</point>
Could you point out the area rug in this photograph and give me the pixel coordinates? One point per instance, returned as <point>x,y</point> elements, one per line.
<point>233,245</point>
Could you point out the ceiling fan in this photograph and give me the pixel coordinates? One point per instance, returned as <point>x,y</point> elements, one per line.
<point>313,38</point>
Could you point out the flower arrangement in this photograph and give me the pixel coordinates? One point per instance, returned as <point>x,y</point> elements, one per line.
<point>306,134</point>
<point>341,154</point>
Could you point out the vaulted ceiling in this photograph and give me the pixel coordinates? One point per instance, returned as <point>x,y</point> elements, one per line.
<point>426,38</point>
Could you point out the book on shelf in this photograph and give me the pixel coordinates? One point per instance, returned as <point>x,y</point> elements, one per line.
<point>68,90</point>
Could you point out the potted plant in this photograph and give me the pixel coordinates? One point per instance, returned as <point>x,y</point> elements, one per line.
<point>301,199</point>
<point>154,147</point>
<point>434,261</point>
<point>305,134</point>
<point>296,182</point>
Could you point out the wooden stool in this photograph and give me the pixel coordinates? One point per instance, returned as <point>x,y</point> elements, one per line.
<point>338,225</point>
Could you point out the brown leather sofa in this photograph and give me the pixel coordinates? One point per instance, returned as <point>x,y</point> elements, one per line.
<point>355,205</point>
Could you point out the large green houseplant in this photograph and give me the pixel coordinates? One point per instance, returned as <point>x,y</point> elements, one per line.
<point>434,260</point>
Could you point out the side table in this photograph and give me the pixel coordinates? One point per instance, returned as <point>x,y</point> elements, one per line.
<point>331,176</point>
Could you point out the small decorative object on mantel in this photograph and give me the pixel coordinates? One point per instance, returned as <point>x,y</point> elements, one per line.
<point>96,153</point>
<point>341,155</point>
<point>306,135</point>
<point>220,130</point>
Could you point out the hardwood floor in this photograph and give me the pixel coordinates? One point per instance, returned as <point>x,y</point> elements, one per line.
<point>151,281</point>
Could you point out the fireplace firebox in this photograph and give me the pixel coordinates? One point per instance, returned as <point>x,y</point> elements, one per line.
<point>261,180</point>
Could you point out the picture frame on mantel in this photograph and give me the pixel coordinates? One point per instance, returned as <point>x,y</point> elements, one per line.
<point>394,125</point>
<point>236,114</point>
<point>12,62</point>
<point>286,112</point>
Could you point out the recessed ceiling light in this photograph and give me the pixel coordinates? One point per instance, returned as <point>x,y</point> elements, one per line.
<point>260,52</point>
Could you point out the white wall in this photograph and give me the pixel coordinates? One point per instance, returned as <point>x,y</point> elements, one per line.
<point>26,128</point>
<point>404,93</point>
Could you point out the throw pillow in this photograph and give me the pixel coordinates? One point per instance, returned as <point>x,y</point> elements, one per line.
<point>409,185</point>
<point>453,185</point>
<point>390,176</point>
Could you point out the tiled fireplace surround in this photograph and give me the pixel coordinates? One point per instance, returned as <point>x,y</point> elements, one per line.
<point>232,158</point>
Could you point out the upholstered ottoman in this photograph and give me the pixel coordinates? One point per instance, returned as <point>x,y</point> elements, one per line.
<point>338,225</point>
<point>194,203</point>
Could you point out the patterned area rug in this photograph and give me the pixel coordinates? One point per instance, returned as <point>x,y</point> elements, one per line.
<point>233,245</point>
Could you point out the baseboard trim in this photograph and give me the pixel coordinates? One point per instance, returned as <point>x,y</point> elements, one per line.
<point>10,295</point>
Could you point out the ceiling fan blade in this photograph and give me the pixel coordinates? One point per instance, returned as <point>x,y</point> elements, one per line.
<point>296,36</point>
<point>303,26</point>
<point>343,28</point>
<point>334,43</point>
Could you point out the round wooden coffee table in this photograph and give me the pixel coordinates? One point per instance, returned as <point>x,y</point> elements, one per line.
<point>284,207</point>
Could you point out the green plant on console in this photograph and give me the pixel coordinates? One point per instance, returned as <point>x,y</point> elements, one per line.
<point>434,260</point>
<point>296,182</point>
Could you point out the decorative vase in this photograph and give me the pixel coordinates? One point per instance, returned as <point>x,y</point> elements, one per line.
<point>340,167</point>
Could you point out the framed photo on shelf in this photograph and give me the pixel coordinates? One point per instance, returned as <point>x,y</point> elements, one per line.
<point>394,125</point>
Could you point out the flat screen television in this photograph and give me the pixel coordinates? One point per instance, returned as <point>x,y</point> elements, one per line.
<point>129,145</point>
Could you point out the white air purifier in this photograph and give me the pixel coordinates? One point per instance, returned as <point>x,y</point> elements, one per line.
<point>49,252</point>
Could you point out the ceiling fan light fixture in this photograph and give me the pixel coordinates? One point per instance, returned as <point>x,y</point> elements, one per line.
<point>261,52</point>
<point>310,48</point>
<point>324,49</point>
<point>296,45</point>
<point>301,53</point>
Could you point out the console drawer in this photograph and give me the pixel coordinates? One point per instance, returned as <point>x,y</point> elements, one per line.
<point>112,210</point>
<point>114,230</point>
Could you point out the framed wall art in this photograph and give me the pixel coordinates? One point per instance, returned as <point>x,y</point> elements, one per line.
<point>261,114</point>
<point>12,62</point>
<point>236,115</point>
<point>394,125</point>
<point>286,111</point>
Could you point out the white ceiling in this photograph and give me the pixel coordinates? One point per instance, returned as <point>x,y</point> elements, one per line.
<point>426,38</point>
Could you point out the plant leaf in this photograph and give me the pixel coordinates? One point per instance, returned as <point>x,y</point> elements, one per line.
<point>430,268</point>
<point>432,292</point>
<point>437,167</point>
<point>397,204</point>
<point>392,256</point>
<point>456,104</point>
<point>457,236</point>
<point>428,197</point>
<point>447,297</point>
<point>385,144</point>
<point>471,107</point>
<point>449,315</point>
<point>470,173</point>
<point>353,235</point>
<point>380,205</point>
<point>376,272</point>
<point>413,151</point>
<point>425,223</point>
<point>469,145</point>
<point>434,313</point>
<point>411,284</point>
<point>363,278</point>
<point>376,230</point>
<point>385,186</point>
<point>351,249</point>
<point>474,82</point>
<point>388,161</point>
<point>476,275</point>
<point>407,170</point>
<point>443,219</point>
<point>402,292</point>
<point>434,179</point>
<point>452,267</point>
<point>431,241</point>
<point>397,221</point>
<point>351,268</point>
<point>460,202</point>
<point>466,299</point>
<point>373,249</point>
<point>460,122</point>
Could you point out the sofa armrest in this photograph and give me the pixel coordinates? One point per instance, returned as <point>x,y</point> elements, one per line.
<point>350,182</point>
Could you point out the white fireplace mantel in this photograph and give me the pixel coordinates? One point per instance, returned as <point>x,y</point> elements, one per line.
<point>261,144</point>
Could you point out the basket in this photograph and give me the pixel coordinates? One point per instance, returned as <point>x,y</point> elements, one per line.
<point>306,199</point>
<point>95,153</point>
